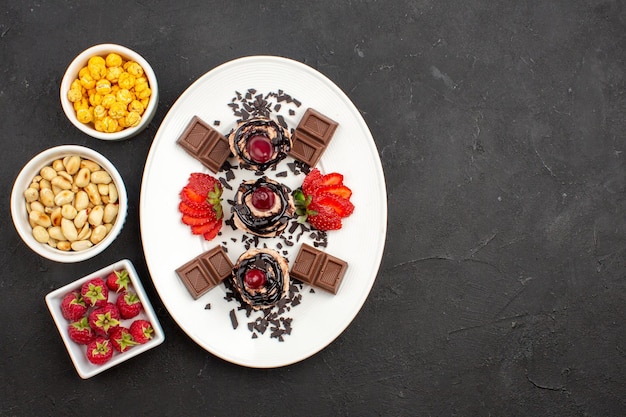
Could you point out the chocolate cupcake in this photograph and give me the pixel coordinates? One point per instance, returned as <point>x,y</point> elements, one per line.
<point>263,207</point>
<point>261,277</point>
<point>259,144</point>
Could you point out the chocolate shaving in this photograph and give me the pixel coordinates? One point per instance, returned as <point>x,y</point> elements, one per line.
<point>233,319</point>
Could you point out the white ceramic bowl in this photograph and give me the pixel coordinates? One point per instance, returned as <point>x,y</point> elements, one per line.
<point>19,212</point>
<point>72,73</point>
<point>78,352</point>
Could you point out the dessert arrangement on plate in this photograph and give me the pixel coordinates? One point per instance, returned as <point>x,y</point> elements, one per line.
<point>263,211</point>
<point>263,279</point>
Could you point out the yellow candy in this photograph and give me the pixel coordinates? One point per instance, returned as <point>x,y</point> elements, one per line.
<point>74,95</point>
<point>84,116</point>
<point>83,103</point>
<point>136,106</point>
<point>97,67</point>
<point>144,102</point>
<point>108,100</point>
<point>113,74</point>
<point>145,93</point>
<point>95,99</point>
<point>99,112</point>
<point>126,80</point>
<point>87,81</point>
<point>83,71</point>
<point>113,60</point>
<point>141,84</point>
<point>109,124</point>
<point>76,85</point>
<point>124,96</point>
<point>134,69</point>
<point>132,119</point>
<point>103,87</point>
<point>117,110</point>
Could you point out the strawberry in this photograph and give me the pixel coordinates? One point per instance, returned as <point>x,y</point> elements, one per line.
<point>334,178</point>
<point>323,200</point>
<point>80,332</point>
<point>99,351</point>
<point>104,319</point>
<point>141,330</point>
<point>196,221</point>
<point>206,227</point>
<point>212,233</point>
<point>121,339</point>
<point>95,293</point>
<point>311,181</point>
<point>189,194</point>
<point>342,206</point>
<point>337,189</point>
<point>201,205</point>
<point>323,217</point>
<point>73,306</point>
<point>194,210</point>
<point>128,304</point>
<point>202,183</point>
<point>118,280</point>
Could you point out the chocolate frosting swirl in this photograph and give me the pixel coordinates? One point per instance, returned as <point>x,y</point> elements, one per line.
<point>263,224</point>
<point>279,137</point>
<point>276,272</point>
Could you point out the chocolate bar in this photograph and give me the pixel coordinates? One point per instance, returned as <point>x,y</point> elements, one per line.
<point>205,144</point>
<point>312,136</point>
<point>319,269</point>
<point>205,271</point>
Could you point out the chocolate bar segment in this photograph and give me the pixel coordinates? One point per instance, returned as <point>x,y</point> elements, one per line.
<point>318,269</point>
<point>205,144</point>
<point>205,271</point>
<point>312,136</point>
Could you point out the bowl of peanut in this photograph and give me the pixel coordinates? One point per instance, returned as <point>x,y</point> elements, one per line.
<point>109,92</point>
<point>69,203</point>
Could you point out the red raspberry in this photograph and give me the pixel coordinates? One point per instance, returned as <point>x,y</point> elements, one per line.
<point>100,351</point>
<point>141,330</point>
<point>73,306</point>
<point>128,304</point>
<point>80,332</point>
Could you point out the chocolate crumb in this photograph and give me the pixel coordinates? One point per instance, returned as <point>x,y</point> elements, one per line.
<point>282,174</point>
<point>207,307</point>
<point>233,319</point>
<point>216,123</point>
<point>225,184</point>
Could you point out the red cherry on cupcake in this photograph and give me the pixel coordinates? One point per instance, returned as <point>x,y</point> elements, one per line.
<point>255,278</point>
<point>260,148</point>
<point>263,198</point>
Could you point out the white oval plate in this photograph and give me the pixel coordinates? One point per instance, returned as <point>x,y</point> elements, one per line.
<point>168,243</point>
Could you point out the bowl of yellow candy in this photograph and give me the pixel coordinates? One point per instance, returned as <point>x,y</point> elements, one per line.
<point>109,92</point>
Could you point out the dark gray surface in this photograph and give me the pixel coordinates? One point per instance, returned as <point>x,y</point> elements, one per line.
<point>500,126</point>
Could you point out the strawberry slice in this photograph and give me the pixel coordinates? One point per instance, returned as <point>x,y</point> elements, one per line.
<point>325,218</point>
<point>205,228</point>
<point>340,190</point>
<point>196,221</point>
<point>311,181</point>
<point>334,178</point>
<point>212,233</point>
<point>342,206</point>
<point>189,194</point>
<point>202,183</point>
<point>195,211</point>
